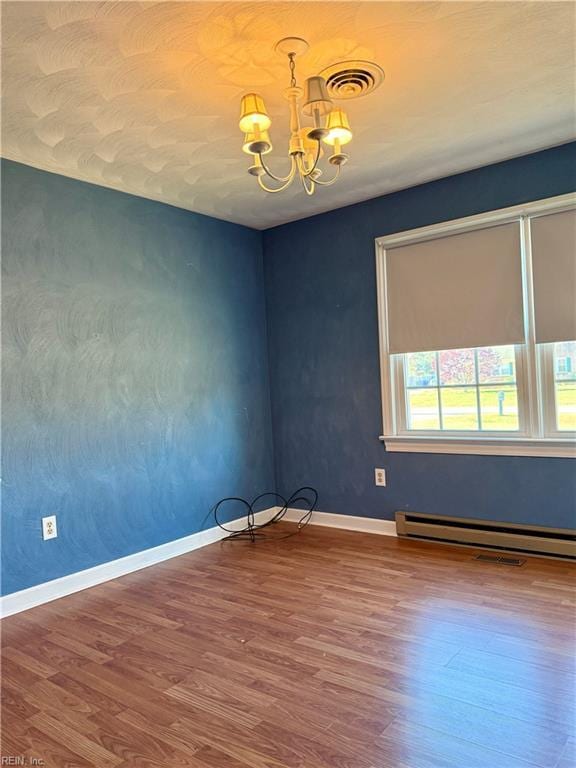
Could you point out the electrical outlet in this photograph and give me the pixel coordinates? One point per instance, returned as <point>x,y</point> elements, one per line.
<point>49,528</point>
<point>380,476</point>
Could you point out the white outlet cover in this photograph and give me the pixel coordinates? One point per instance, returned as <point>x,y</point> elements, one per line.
<point>49,528</point>
<point>380,476</point>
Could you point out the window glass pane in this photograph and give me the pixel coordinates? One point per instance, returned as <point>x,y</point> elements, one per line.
<point>421,369</point>
<point>565,361</point>
<point>496,365</point>
<point>459,408</point>
<point>423,412</point>
<point>566,405</point>
<point>464,390</point>
<point>565,385</point>
<point>457,366</point>
<point>499,408</point>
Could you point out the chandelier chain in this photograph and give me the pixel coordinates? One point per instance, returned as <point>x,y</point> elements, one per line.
<point>292,70</point>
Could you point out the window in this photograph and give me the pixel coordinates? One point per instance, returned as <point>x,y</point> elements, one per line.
<point>477,329</point>
<point>462,390</point>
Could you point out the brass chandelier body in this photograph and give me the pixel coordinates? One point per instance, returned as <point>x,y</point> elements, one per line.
<point>330,125</point>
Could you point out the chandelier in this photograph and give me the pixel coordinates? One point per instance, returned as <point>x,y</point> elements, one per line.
<point>330,125</point>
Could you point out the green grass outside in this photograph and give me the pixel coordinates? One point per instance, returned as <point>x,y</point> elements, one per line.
<point>423,404</point>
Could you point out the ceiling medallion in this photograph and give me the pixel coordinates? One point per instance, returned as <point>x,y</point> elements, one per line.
<point>330,125</point>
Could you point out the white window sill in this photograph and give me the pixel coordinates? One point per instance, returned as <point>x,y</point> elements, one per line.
<point>482,446</point>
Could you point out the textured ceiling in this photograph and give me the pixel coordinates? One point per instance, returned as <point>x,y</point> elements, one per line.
<point>143,97</point>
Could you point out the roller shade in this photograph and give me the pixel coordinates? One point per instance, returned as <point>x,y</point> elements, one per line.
<point>457,291</point>
<point>554,273</point>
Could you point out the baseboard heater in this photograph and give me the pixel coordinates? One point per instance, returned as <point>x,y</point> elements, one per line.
<point>510,537</point>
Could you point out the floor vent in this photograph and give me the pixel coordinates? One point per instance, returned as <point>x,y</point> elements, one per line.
<point>506,537</point>
<point>500,560</point>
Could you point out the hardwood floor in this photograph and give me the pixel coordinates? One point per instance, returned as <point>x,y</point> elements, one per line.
<point>330,649</point>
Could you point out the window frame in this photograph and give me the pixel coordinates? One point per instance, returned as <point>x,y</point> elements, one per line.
<point>538,435</point>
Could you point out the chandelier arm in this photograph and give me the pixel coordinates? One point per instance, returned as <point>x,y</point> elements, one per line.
<point>272,175</point>
<point>308,189</point>
<point>278,189</point>
<point>332,180</point>
<point>300,163</point>
<point>310,171</point>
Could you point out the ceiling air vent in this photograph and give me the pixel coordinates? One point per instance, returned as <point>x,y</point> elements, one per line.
<point>351,79</point>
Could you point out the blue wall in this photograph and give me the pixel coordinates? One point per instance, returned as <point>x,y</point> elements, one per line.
<point>135,389</point>
<point>323,346</point>
<point>135,376</point>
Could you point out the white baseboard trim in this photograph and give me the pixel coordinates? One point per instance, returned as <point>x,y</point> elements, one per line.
<point>346,522</point>
<point>91,577</point>
<point>75,582</point>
